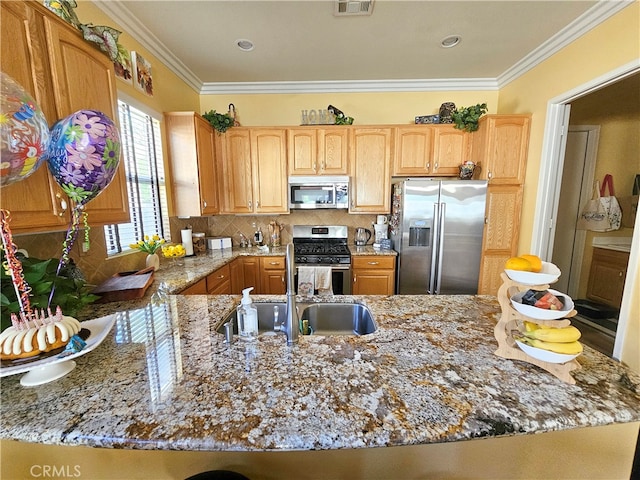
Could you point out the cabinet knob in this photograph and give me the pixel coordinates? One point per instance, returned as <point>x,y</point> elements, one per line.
<point>257,203</point>
<point>315,169</point>
<point>428,165</point>
<point>204,204</point>
<point>250,207</point>
<point>620,274</point>
<point>63,205</point>
<point>435,166</point>
<point>373,263</point>
<point>274,263</point>
<point>489,175</point>
<point>354,278</point>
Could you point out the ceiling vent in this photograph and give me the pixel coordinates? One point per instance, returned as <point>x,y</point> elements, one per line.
<point>353,7</point>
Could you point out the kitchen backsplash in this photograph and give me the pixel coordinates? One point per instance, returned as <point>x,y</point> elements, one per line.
<point>97,267</point>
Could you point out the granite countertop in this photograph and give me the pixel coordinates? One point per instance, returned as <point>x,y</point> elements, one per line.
<point>164,379</point>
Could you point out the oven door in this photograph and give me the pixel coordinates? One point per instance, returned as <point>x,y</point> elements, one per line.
<point>340,280</point>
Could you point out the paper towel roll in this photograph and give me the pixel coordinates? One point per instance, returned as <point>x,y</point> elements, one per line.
<point>187,241</point>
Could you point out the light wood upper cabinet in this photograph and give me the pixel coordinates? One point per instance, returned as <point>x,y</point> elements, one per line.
<point>370,160</point>
<point>500,240</point>
<point>451,147</point>
<point>254,170</point>
<point>500,147</point>
<point>64,74</point>
<point>83,78</point>
<point>193,164</point>
<point>317,151</point>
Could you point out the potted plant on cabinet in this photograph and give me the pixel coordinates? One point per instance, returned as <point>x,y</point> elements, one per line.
<point>466,118</point>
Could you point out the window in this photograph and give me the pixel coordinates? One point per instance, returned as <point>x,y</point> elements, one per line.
<point>144,167</point>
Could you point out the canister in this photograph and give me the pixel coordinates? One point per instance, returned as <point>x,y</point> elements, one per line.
<point>199,242</point>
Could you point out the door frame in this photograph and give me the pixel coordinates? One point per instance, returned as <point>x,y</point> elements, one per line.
<point>550,177</point>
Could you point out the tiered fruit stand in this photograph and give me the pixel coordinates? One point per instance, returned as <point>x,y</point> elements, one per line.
<point>511,320</point>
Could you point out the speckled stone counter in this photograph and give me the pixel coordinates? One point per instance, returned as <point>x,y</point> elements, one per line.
<point>164,379</point>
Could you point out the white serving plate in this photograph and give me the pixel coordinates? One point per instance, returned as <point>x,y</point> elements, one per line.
<point>51,368</point>
<point>549,274</point>
<point>542,313</point>
<point>545,355</point>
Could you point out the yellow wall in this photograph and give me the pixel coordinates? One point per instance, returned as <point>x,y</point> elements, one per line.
<point>365,108</point>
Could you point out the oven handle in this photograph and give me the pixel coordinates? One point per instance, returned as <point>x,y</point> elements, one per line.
<point>334,266</point>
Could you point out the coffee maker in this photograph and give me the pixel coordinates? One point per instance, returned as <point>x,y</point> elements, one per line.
<point>380,229</point>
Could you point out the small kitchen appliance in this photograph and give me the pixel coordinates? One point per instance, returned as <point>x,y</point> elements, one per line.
<point>318,192</point>
<point>363,235</point>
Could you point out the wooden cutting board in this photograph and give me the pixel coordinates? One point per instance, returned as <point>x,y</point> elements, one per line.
<point>125,286</point>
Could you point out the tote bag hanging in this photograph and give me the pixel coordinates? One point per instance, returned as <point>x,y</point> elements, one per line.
<point>601,214</point>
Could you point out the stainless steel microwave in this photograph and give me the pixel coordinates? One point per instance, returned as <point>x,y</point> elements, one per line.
<point>318,192</point>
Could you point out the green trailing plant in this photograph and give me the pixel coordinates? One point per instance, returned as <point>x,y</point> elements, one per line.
<point>71,293</point>
<point>466,118</point>
<point>220,121</point>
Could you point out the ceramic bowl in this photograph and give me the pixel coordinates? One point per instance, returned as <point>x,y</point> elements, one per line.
<point>545,355</point>
<point>542,313</point>
<point>549,274</point>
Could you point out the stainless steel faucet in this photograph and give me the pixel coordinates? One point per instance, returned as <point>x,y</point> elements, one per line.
<point>292,329</point>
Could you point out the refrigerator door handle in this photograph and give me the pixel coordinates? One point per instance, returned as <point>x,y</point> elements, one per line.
<point>434,248</point>
<point>442,213</point>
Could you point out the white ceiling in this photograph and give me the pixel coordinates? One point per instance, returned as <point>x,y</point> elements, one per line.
<point>300,44</point>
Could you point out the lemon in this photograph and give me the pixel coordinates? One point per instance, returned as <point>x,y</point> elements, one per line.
<point>518,263</point>
<point>535,261</point>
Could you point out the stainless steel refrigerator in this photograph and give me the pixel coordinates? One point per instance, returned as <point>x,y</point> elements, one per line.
<point>437,227</point>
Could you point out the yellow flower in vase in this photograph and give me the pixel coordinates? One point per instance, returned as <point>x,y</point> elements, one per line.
<point>174,252</point>
<point>148,244</point>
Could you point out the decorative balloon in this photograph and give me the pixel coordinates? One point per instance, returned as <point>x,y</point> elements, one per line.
<point>83,157</point>
<point>84,153</point>
<point>24,132</point>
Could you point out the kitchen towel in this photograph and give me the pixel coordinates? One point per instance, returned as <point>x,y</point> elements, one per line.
<point>323,280</point>
<point>306,280</point>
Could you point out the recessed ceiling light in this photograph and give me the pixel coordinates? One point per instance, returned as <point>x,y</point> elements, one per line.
<point>244,44</point>
<point>450,41</point>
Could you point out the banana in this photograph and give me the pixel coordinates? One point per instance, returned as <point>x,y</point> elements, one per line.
<point>555,335</point>
<point>567,348</point>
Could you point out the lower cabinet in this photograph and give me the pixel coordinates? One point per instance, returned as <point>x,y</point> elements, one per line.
<point>273,275</point>
<point>245,272</point>
<point>373,275</point>
<point>199,288</point>
<point>219,282</point>
<point>607,276</point>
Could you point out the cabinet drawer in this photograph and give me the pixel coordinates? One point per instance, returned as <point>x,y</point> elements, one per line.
<point>217,278</point>
<point>199,288</point>
<point>373,262</point>
<point>272,263</point>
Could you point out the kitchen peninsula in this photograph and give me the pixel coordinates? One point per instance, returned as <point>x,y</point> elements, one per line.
<point>165,380</point>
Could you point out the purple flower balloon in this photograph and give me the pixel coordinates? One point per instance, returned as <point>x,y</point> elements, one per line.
<point>84,153</point>
<point>24,132</point>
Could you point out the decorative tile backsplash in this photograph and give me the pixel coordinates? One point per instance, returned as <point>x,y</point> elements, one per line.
<point>97,267</point>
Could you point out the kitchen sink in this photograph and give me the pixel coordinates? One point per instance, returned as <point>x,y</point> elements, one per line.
<point>266,315</point>
<point>339,319</point>
<point>323,318</point>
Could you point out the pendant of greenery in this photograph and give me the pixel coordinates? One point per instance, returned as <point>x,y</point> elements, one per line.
<point>71,293</point>
<point>466,118</point>
<point>220,121</point>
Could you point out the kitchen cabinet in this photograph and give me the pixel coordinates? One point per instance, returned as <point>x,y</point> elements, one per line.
<point>63,73</point>
<point>607,276</point>
<point>318,151</point>
<point>500,239</point>
<point>430,150</point>
<point>254,167</point>
<point>198,288</point>
<point>273,275</point>
<point>219,282</point>
<point>245,272</point>
<point>500,147</point>
<point>370,162</point>
<point>373,275</point>
<point>193,164</point>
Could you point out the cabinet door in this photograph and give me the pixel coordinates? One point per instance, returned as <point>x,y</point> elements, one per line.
<point>607,276</point>
<point>500,240</point>
<point>237,275</point>
<point>269,164</point>
<point>36,203</point>
<point>251,274</point>
<point>237,196</point>
<point>370,161</point>
<point>219,282</point>
<point>372,282</point>
<point>199,288</point>
<point>333,151</point>
<point>451,147</point>
<point>302,149</point>
<point>83,78</point>
<point>207,174</point>
<point>413,151</point>
<point>272,275</point>
<point>501,145</point>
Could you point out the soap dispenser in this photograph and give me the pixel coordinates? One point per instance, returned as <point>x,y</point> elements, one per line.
<point>247,317</point>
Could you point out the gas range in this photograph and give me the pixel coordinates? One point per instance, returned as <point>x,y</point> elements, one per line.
<point>321,245</point>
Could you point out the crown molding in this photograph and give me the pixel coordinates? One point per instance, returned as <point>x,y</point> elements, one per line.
<point>130,23</point>
<point>348,86</point>
<point>590,19</point>
<point>581,25</point>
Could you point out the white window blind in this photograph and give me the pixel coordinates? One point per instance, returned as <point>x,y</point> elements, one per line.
<point>144,167</point>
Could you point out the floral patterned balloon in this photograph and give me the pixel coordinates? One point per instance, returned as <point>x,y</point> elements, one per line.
<point>84,154</point>
<point>24,132</point>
